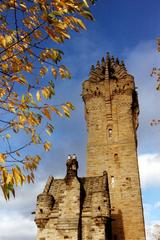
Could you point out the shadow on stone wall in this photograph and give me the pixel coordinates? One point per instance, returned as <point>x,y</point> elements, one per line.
<point>117,227</point>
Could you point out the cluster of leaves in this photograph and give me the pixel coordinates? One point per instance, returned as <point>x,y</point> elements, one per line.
<point>155,71</point>
<point>156,74</point>
<point>156,232</point>
<point>26,28</point>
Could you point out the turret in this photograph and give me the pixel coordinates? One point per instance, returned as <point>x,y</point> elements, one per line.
<point>45,202</point>
<point>72,167</point>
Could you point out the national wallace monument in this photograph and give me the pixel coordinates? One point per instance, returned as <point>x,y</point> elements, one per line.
<point>106,204</point>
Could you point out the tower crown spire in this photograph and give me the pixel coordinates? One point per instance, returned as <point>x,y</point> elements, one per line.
<point>110,68</point>
<point>108,57</point>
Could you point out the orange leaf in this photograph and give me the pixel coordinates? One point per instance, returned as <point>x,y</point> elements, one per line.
<point>46,112</point>
<point>54,72</point>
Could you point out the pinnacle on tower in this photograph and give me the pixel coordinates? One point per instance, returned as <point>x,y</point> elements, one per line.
<point>117,61</point>
<point>107,66</point>
<point>107,69</point>
<point>107,57</point>
<point>98,68</point>
<point>112,59</point>
<point>98,64</point>
<point>123,65</point>
<point>92,69</point>
<point>103,62</point>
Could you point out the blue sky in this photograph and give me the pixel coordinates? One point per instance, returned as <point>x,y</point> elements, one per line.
<point>128,29</point>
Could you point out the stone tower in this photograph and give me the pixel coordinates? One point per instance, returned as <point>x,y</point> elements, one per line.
<point>111,113</point>
<point>106,204</point>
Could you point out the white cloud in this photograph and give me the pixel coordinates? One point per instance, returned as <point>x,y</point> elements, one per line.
<point>149,167</point>
<point>140,61</point>
<point>17,227</point>
<point>157,204</point>
<point>17,222</point>
<point>153,231</point>
<point>25,197</point>
<point>152,222</point>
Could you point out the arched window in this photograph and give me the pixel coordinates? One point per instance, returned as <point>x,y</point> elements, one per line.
<point>109,131</point>
<point>112,181</point>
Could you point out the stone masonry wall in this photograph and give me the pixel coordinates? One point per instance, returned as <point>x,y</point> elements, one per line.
<point>74,208</point>
<point>111,110</point>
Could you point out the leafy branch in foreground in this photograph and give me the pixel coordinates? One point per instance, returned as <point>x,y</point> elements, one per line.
<point>28,30</point>
<point>156,74</point>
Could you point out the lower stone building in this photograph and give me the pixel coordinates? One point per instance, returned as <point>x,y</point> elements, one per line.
<point>107,203</point>
<point>74,208</point>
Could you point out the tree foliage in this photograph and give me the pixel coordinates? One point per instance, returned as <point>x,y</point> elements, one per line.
<point>156,232</point>
<point>155,71</point>
<point>26,58</point>
<point>156,74</point>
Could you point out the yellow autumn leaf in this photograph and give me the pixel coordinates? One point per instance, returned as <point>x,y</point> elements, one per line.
<point>46,92</point>
<point>8,39</point>
<point>4,175</point>
<point>49,129</point>
<point>47,146</point>
<point>66,110</point>
<point>87,14</point>
<point>23,6</point>
<point>4,67</point>
<point>37,159</point>
<point>86,3</point>
<point>17,176</point>
<point>43,71</point>
<point>54,72</point>
<point>28,68</point>
<point>54,109</point>
<point>18,154</point>
<point>81,24</point>
<point>2,158</point>
<point>18,80</point>
<point>22,120</point>
<point>65,35</point>
<point>70,105</point>
<point>3,42</point>
<point>10,178</point>
<point>1,168</point>
<point>2,92</point>
<point>11,107</point>
<point>52,35</point>
<point>8,136</point>
<point>64,72</point>
<point>28,179</point>
<point>32,177</point>
<point>37,34</point>
<point>38,96</point>
<point>46,112</point>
